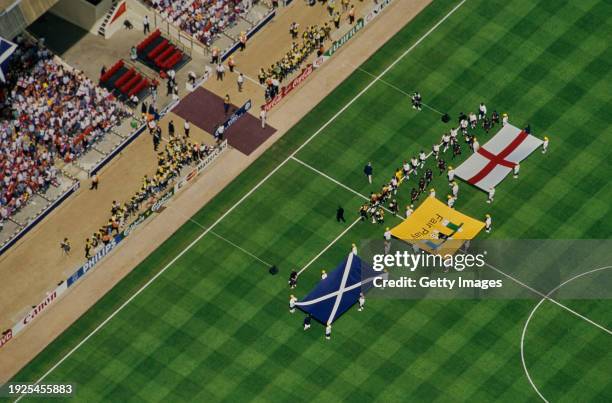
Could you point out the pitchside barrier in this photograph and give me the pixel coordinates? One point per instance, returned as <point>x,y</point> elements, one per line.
<point>53,205</point>
<point>105,250</point>
<point>45,212</point>
<point>234,47</point>
<point>336,45</point>
<point>108,157</point>
<point>238,113</point>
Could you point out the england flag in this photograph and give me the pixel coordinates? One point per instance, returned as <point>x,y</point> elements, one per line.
<point>487,167</point>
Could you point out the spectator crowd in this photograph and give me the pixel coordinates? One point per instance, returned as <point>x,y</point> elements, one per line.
<point>47,111</point>
<point>203,19</point>
<point>313,39</point>
<point>177,153</point>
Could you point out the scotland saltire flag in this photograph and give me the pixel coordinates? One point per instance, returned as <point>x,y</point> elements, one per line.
<point>6,50</point>
<point>339,291</point>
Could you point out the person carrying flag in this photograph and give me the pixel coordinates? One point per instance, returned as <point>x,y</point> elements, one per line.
<point>307,320</point>
<point>450,174</point>
<point>387,237</point>
<point>409,210</point>
<point>361,301</point>
<point>454,188</point>
<point>475,145</point>
<point>516,169</point>
<point>292,301</point>
<point>328,330</point>
<point>488,223</point>
<point>545,145</point>
<point>491,195</point>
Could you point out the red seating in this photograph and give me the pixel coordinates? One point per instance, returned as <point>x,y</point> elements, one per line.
<point>158,49</point>
<point>125,77</point>
<point>144,43</point>
<point>135,80</point>
<point>139,87</point>
<point>164,55</point>
<point>172,60</point>
<point>111,71</point>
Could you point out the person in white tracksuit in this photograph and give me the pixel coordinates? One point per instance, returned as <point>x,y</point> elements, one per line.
<point>455,189</point>
<point>328,330</point>
<point>491,195</point>
<point>516,169</point>
<point>488,223</point>
<point>545,145</point>
<point>482,111</point>
<point>450,174</point>
<point>361,302</point>
<point>292,301</point>
<point>387,242</point>
<point>262,117</point>
<point>422,158</point>
<point>409,210</point>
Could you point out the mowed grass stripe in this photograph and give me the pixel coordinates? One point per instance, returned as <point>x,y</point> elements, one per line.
<point>246,338</point>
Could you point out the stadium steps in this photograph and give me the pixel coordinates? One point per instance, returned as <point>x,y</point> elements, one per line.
<point>109,14</point>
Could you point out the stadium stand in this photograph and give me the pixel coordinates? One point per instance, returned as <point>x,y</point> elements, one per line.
<point>202,19</point>
<point>125,81</point>
<point>160,54</point>
<point>49,112</point>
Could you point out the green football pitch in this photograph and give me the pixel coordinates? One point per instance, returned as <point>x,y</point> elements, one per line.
<point>213,324</point>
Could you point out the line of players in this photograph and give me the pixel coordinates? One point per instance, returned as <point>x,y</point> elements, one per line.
<point>375,211</point>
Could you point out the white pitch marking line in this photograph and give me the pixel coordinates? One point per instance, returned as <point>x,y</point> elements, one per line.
<point>338,183</point>
<point>554,301</point>
<point>399,90</point>
<point>225,239</point>
<point>547,297</point>
<point>188,247</point>
<point>329,245</point>
<point>529,320</point>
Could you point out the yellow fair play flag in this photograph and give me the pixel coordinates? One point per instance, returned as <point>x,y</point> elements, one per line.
<point>436,228</point>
